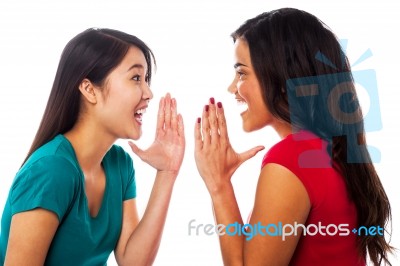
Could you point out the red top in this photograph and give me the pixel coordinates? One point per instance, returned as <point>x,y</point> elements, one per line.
<point>306,156</point>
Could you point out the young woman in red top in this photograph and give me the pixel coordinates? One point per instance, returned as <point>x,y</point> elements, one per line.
<point>318,183</point>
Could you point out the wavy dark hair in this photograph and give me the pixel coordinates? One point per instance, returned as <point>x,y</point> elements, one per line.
<point>92,55</point>
<point>292,49</point>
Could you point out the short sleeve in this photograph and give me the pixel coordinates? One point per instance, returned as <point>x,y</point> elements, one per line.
<point>281,153</point>
<point>130,190</point>
<point>49,183</point>
<point>305,155</point>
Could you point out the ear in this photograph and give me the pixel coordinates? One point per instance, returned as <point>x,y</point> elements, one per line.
<point>88,91</point>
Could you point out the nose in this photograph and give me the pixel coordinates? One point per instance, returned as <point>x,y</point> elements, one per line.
<point>232,88</point>
<point>147,94</point>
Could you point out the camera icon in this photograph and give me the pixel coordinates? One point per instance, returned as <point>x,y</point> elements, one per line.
<point>333,105</point>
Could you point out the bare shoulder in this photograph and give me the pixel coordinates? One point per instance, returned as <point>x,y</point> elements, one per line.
<point>280,199</point>
<point>280,187</point>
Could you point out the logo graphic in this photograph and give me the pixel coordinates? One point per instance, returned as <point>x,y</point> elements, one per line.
<point>331,101</point>
<point>280,230</point>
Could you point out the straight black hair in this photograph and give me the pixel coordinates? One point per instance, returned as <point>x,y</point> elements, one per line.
<point>92,55</point>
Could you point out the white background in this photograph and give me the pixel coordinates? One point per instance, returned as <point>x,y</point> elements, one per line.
<point>195,61</point>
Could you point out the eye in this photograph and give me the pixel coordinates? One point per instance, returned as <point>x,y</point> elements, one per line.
<point>240,74</point>
<point>137,78</point>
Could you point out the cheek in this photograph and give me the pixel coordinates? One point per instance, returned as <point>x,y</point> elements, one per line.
<point>128,97</point>
<point>119,106</point>
<point>250,91</point>
<point>243,89</point>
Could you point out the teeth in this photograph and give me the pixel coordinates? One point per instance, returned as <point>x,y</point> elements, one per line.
<point>141,111</point>
<point>242,106</point>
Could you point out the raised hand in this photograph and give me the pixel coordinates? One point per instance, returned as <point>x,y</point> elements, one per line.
<point>216,160</point>
<point>166,152</point>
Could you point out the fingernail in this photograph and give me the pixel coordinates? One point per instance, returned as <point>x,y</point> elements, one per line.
<point>219,104</point>
<point>207,107</point>
<point>198,120</point>
<point>212,101</point>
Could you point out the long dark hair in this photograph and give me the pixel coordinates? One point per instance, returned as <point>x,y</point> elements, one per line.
<point>294,54</point>
<point>92,54</point>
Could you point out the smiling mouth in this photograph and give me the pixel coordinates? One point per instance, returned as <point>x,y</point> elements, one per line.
<point>243,107</point>
<point>139,114</point>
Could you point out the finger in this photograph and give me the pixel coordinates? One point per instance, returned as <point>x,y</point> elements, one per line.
<point>223,131</point>
<point>167,111</point>
<point>181,127</point>
<point>250,153</point>
<point>212,118</point>
<point>198,142</point>
<point>160,116</point>
<point>174,115</point>
<point>205,126</point>
<point>136,150</point>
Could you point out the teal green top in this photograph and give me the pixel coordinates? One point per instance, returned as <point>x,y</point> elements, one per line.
<point>52,179</point>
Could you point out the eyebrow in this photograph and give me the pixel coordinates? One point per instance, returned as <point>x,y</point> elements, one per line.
<point>135,66</point>
<point>239,65</point>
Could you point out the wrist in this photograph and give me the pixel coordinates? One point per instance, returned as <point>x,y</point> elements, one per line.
<point>167,175</point>
<point>221,190</point>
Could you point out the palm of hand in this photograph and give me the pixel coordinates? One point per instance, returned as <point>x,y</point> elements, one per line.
<point>167,151</point>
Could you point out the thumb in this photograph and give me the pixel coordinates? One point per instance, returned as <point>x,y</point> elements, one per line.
<point>136,150</point>
<point>244,156</point>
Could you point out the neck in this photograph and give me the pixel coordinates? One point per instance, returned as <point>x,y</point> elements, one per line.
<point>282,128</point>
<point>90,145</point>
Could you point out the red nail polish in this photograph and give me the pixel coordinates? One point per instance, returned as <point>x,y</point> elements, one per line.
<point>198,120</point>
<point>207,107</point>
<point>219,104</point>
<point>212,101</point>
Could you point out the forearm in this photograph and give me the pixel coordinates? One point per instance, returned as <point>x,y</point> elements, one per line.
<point>142,246</point>
<point>226,211</point>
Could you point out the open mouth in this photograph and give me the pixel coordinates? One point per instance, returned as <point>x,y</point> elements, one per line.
<point>242,105</point>
<point>139,114</point>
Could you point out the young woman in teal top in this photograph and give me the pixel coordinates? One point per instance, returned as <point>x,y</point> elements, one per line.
<point>73,200</point>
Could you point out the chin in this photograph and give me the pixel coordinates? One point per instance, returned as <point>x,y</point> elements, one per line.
<point>247,128</point>
<point>251,127</point>
<point>135,136</point>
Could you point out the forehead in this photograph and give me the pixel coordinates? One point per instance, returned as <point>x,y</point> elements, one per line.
<point>242,52</point>
<point>134,56</point>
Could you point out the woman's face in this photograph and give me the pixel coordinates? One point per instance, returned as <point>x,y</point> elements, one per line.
<point>125,97</point>
<point>247,90</point>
